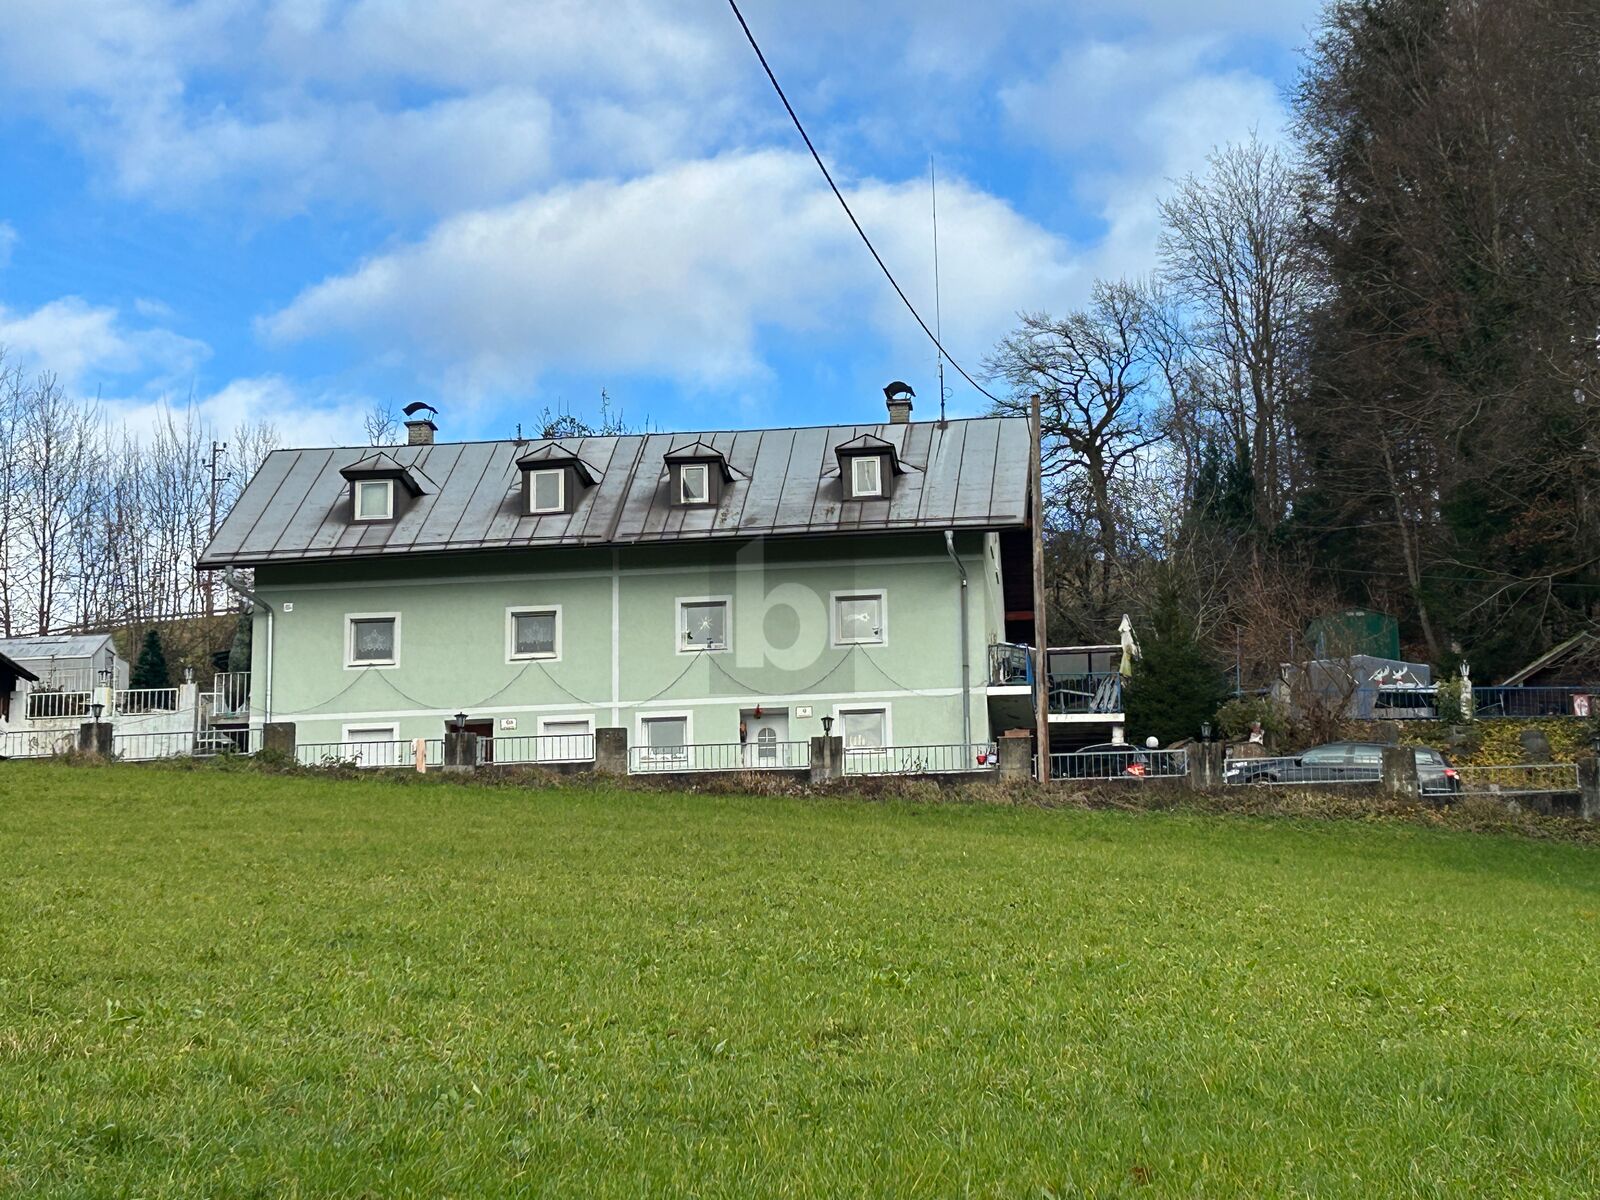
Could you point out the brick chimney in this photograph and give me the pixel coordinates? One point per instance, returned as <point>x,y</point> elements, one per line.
<point>419,424</point>
<point>898,394</point>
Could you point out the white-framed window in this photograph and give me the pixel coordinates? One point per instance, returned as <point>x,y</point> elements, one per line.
<point>694,483</point>
<point>547,490</point>
<point>863,728</point>
<point>664,735</point>
<point>533,632</point>
<point>860,618</point>
<point>866,475</point>
<point>374,499</point>
<point>565,739</point>
<point>703,623</point>
<point>371,640</point>
<point>375,745</point>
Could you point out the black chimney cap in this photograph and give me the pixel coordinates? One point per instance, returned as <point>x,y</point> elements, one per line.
<point>897,388</point>
<point>417,406</point>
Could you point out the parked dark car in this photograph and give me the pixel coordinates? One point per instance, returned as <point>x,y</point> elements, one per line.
<point>1344,762</point>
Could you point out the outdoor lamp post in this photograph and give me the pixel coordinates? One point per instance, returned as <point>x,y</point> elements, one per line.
<point>94,712</point>
<point>1205,731</point>
<point>827,726</point>
<point>461,722</point>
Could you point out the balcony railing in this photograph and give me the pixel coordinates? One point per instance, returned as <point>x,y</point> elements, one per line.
<point>1010,665</point>
<point>133,701</point>
<point>230,693</point>
<point>719,756</point>
<point>1100,692</point>
<point>921,760</point>
<point>52,706</point>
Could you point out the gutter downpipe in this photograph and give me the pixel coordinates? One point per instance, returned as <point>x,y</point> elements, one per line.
<point>966,670</point>
<point>238,589</point>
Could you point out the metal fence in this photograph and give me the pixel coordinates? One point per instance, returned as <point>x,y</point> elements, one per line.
<point>719,756</point>
<point>207,743</point>
<point>1520,779</point>
<point>48,706</point>
<point>37,743</point>
<point>1488,703</point>
<point>1292,770</point>
<point>388,753</point>
<point>540,748</point>
<point>921,760</point>
<point>1130,763</point>
<point>1010,664</point>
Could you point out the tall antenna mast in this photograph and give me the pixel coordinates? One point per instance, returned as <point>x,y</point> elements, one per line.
<point>938,318</point>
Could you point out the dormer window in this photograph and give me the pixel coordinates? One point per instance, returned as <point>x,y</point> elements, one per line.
<point>697,475</point>
<point>868,465</point>
<point>554,480</point>
<point>692,483</point>
<point>866,475</point>
<point>382,488</point>
<point>547,490</point>
<point>374,499</point>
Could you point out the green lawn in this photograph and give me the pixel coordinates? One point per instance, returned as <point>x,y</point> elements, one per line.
<point>226,984</point>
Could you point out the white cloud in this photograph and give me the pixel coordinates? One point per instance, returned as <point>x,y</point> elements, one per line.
<point>84,344</point>
<point>1133,116</point>
<point>301,418</point>
<point>678,272</point>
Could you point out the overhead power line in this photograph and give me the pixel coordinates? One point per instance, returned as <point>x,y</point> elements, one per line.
<point>845,204</point>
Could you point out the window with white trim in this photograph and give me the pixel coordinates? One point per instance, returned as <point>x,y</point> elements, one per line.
<point>864,728</point>
<point>374,499</point>
<point>372,641</point>
<point>374,745</point>
<point>858,619</point>
<point>866,476</point>
<point>694,482</point>
<point>547,490</point>
<point>702,625</point>
<point>664,737</point>
<point>534,633</point>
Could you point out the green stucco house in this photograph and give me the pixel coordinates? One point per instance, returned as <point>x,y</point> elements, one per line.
<point>731,589</point>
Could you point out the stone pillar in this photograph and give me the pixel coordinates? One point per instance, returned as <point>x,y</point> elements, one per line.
<point>1016,754</point>
<point>460,751</point>
<point>1400,773</point>
<point>1589,788</point>
<point>611,751</point>
<point>94,737</point>
<point>827,759</point>
<point>1205,764</point>
<point>278,738</point>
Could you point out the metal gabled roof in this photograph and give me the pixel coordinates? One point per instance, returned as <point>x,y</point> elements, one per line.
<point>969,474</point>
<point>54,645</point>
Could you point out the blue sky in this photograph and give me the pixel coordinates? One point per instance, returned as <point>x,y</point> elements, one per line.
<point>294,210</point>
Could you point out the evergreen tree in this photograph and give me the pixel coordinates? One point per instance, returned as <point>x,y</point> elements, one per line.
<point>151,669</point>
<point>1176,684</point>
<point>239,651</point>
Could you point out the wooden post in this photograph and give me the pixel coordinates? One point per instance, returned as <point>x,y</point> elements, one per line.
<point>1041,658</point>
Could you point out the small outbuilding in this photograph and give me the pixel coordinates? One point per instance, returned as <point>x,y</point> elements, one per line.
<point>68,662</point>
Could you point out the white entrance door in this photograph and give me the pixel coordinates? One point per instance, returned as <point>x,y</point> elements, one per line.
<point>764,739</point>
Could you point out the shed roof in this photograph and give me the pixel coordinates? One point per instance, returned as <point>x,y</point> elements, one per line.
<point>53,645</point>
<point>16,670</point>
<point>970,474</point>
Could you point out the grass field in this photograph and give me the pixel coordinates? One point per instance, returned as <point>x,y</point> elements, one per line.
<point>227,984</point>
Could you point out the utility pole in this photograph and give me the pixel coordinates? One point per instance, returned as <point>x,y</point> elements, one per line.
<point>1041,655</point>
<point>218,450</point>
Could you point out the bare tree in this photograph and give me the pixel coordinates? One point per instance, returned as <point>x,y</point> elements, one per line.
<point>1231,249</point>
<point>382,425</point>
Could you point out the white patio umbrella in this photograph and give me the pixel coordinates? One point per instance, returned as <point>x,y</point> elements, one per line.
<point>1130,646</point>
